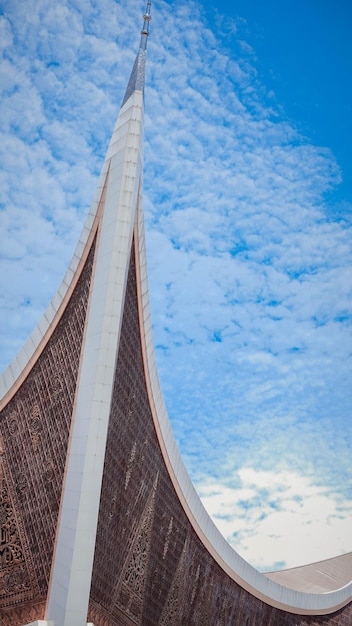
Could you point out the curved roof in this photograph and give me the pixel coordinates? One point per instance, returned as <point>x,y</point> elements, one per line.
<point>320,577</point>
<point>314,589</point>
<point>276,590</point>
<point>311,590</point>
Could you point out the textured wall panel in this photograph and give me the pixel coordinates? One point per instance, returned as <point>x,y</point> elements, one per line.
<point>34,429</point>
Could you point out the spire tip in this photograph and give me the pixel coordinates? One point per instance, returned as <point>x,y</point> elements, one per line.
<point>145,29</point>
<point>136,81</point>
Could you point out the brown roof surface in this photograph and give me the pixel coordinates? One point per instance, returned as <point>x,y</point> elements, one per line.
<point>317,577</point>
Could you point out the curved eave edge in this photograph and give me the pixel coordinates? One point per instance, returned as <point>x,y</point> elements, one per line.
<point>19,368</point>
<point>231,562</point>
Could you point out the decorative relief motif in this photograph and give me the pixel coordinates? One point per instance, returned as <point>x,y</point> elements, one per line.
<point>130,464</point>
<point>36,433</point>
<point>35,425</point>
<point>12,424</point>
<point>144,450</point>
<point>131,404</point>
<point>176,598</point>
<point>129,593</point>
<point>14,577</point>
<point>22,482</point>
<point>167,539</point>
<point>22,615</point>
<point>56,386</point>
<point>136,567</point>
<point>49,471</point>
<point>1,455</point>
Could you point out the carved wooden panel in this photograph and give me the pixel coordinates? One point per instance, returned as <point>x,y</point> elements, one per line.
<point>20,615</point>
<point>34,427</point>
<point>15,579</point>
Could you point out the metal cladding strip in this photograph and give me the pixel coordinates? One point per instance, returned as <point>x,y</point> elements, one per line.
<point>237,568</point>
<point>75,542</point>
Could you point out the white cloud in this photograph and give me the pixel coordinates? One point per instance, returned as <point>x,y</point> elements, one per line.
<point>279,519</point>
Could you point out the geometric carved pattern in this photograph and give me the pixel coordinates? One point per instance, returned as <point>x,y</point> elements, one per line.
<point>35,427</point>
<point>129,594</point>
<point>22,482</point>
<point>56,385</point>
<point>22,615</point>
<point>175,599</point>
<point>13,424</point>
<point>130,464</point>
<point>14,576</point>
<point>167,539</point>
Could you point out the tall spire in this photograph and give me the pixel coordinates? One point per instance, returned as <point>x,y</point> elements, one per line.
<point>145,30</point>
<point>117,200</point>
<point>137,77</point>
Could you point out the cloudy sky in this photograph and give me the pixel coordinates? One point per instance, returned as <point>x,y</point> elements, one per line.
<point>248,198</point>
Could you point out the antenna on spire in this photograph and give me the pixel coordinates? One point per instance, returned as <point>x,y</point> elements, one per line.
<point>136,81</point>
<point>145,30</point>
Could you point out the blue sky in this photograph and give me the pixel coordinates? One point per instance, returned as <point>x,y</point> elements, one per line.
<point>248,219</point>
<point>303,51</point>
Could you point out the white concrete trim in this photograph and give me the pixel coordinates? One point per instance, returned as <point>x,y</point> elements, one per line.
<point>237,568</point>
<point>71,573</point>
<point>44,622</point>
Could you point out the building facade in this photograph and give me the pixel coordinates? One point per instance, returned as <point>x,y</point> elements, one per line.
<point>99,519</point>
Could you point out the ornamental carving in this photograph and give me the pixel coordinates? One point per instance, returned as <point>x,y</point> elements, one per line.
<point>171,612</point>
<point>49,471</point>
<point>131,404</point>
<point>35,412</point>
<point>12,424</point>
<point>22,482</point>
<point>130,464</point>
<point>144,450</point>
<point>129,594</point>
<point>35,425</point>
<point>56,386</point>
<point>14,576</point>
<point>167,539</point>
<point>22,615</point>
